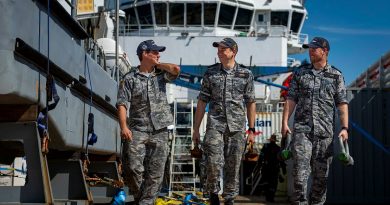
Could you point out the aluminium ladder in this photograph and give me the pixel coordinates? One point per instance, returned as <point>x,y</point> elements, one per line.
<point>182,165</point>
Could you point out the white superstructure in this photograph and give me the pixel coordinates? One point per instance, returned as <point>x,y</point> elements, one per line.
<point>266,31</point>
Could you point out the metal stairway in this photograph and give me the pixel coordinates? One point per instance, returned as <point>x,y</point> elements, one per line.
<point>182,165</point>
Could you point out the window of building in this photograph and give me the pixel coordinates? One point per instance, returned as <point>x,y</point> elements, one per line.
<point>226,15</point>
<point>160,12</point>
<point>210,9</point>
<point>194,14</point>
<point>176,14</point>
<point>279,18</point>
<point>243,20</point>
<point>145,16</point>
<point>296,21</point>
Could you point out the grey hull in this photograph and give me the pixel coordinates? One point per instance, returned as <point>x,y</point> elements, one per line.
<point>23,79</point>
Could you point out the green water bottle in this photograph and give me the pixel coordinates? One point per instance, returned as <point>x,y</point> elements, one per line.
<point>286,154</point>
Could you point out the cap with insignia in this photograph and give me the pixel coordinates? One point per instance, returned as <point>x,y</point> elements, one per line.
<point>317,42</point>
<point>149,45</point>
<point>227,42</point>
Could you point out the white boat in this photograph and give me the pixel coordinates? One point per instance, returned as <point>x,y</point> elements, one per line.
<point>266,32</point>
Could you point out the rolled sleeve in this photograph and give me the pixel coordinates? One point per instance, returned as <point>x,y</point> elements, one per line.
<point>169,77</point>
<point>205,93</point>
<point>249,95</point>
<point>293,89</point>
<point>341,91</point>
<point>124,94</point>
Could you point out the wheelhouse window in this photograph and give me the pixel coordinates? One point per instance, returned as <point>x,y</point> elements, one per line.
<point>243,20</point>
<point>160,12</point>
<point>279,18</point>
<point>209,13</point>
<point>131,19</point>
<point>296,21</point>
<point>176,14</point>
<point>226,15</point>
<point>260,18</point>
<point>194,14</point>
<point>145,16</point>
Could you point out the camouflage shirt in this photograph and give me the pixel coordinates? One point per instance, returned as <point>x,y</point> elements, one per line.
<point>226,93</point>
<point>316,95</point>
<point>145,97</point>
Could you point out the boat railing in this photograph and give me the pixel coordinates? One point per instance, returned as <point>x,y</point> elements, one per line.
<point>148,30</point>
<point>298,38</point>
<point>292,62</point>
<point>278,30</point>
<point>106,60</point>
<point>262,30</point>
<point>96,52</point>
<point>376,76</point>
<point>184,31</point>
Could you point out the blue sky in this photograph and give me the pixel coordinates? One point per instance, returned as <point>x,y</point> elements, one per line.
<point>358,32</point>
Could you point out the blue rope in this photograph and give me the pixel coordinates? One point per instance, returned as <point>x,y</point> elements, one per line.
<point>13,169</point>
<point>90,84</point>
<point>42,127</point>
<point>91,136</point>
<point>370,138</point>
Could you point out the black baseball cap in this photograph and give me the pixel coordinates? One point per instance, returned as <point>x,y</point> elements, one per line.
<point>227,42</point>
<point>317,42</point>
<point>149,45</point>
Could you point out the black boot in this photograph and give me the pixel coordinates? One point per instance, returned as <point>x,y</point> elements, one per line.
<point>214,199</point>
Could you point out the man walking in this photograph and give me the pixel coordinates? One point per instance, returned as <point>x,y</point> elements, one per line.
<point>315,90</point>
<point>145,136</point>
<point>227,87</point>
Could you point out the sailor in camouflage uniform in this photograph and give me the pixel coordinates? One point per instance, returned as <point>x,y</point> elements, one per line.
<point>145,136</point>
<point>228,88</point>
<point>315,90</point>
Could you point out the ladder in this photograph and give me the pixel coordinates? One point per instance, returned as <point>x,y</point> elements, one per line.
<point>254,178</point>
<point>182,166</point>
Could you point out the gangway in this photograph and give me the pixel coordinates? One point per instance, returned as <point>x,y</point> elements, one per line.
<point>182,165</point>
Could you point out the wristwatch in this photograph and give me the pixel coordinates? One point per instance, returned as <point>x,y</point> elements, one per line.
<point>252,129</point>
<point>345,128</point>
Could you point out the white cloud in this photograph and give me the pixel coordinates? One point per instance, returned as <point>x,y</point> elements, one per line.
<point>354,31</point>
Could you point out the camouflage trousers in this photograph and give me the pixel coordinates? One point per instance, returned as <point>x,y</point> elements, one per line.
<point>223,151</point>
<point>144,160</point>
<point>311,155</point>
